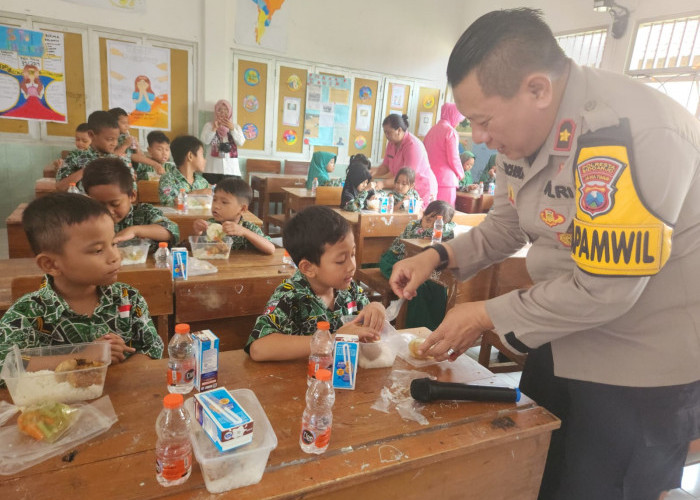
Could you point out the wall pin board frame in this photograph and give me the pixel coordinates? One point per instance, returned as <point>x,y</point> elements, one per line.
<point>366,137</point>
<point>251,102</point>
<point>428,104</point>
<point>291,84</point>
<point>392,107</point>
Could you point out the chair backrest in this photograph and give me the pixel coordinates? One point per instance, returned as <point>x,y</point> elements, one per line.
<point>462,219</point>
<point>44,186</point>
<point>375,233</point>
<point>258,165</point>
<point>328,195</point>
<point>148,192</point>
<point>296,167</point>
<point>51,169</point>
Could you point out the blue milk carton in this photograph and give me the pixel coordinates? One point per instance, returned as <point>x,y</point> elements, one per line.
<point>206,357</point>
<point>179,266</point>
<point>345,355</point>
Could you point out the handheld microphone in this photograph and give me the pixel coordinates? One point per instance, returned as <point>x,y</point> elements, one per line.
<point>426,390</point>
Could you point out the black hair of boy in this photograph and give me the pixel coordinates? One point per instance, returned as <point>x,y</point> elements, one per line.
<point>118,112</point>
<point>157,137</point>
<point>440,207</point>
<point>408,172</point>
<point>182,145</point>
<point>45,219</point>
<point>99,120</point>
<point>237,187</point>
<point>108,171</point>
<point>309,231</point>
<point>83,127</point>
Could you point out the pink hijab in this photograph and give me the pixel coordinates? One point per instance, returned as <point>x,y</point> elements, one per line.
<point>222,130</point>
<point>451,114</point>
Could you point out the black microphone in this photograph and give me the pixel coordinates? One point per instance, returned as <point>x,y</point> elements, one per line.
<point>426,390</point>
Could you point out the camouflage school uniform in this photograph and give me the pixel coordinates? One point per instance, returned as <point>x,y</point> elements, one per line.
<point>172,181</point>
<point>358,203</point>
<point>399,198</point>
<point>44,318</point>
<point>465,182</point>
<point>77,159</point>
<point>241,242</point>
<point>144,214</point>
<point>294,309</point>
<point>143,169</point>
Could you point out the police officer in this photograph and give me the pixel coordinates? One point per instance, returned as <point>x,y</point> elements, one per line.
<point>602,175</point>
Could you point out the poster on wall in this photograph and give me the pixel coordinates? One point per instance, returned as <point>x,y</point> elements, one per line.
<point>262,24</point>
<point>327,117</point>
<point>139,82</point>
<point>32,75</point>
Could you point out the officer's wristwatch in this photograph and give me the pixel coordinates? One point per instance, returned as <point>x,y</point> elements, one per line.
<point>442,252</point>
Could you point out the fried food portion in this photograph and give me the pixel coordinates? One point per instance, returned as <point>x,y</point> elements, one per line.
<point>79,372</point>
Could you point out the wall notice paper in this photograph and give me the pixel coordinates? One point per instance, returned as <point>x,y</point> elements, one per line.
<point>398,94</point>
<point>32,75</point>
<point>363,117</point>
<point>424,123</point>
<point>139,82</point>
<point>327,118</point>
<point>290,114</point>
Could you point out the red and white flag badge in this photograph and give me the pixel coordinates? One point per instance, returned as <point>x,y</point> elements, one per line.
<point>352,307</point>
<point>124,310</point>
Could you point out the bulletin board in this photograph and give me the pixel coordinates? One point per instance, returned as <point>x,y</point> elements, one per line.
<point>328,149</point>
<point>327,113</point>
<point>9,125</point>
<point>397,97</point>
<point>364,107</point>
<point>292,92</point>
<point>426,110</point>
<point>75,87</point>
<point>251,103</point>
<point>178,88</point>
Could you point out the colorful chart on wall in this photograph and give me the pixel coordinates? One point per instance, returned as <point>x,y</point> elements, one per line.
<point>365,93</point>
<point>327,119</point>
<point>294,82</point>
<point>262,23</point>
<point>360,142</point>
<point>32,85</point>
<point>428,102</point>
<point>139,82</point>
<point>290,137</point>
<point>251,77</point>
<point>250,131</point>
<point>250,103</point>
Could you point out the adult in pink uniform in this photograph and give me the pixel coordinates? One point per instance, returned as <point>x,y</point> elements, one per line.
<point>406,150</point>
<point>442,144</point>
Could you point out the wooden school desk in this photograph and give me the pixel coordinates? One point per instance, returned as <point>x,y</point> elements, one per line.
<point>185,220</point>
<point>266,184</point>
<point>44,186</point>
<point>468,450</point>
<point>473,204</point>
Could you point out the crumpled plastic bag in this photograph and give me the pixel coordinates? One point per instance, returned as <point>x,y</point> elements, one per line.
<point>397,394</point>
<point>380,354</point>
<point>19,451</point>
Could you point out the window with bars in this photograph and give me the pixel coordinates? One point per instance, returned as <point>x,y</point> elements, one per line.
<point>585,47</point>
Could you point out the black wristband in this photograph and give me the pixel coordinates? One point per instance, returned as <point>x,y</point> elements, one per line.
<point>442,252</point>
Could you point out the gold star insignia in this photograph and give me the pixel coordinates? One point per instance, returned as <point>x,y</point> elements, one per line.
<point>564,135</point>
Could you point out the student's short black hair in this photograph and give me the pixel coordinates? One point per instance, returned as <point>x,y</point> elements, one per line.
<point>118,112</point>
<point>396,122</point>
<point>309,231</point>
<point>236,187</point>
<point>103,171</point>
<point>408,172</point>
<point>157,137</point>
<point>99,120</point>
<point>83,127</point>
<point>440,207</point>
<point>45,219</point>
<point>182,145</point>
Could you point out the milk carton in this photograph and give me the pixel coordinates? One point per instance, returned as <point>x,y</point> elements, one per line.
<point>226,423</point>
<point>179,266</point>
<point>345,354</point>
<point>206,356</point>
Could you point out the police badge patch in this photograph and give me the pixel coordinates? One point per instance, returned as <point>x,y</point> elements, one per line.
<point>597,177</point>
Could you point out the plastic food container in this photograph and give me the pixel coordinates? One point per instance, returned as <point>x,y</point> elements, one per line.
<point>243,466</point>
<point>62,373</point>
<point>204,248</point>
<point>198,202</point>
<point>134,251</point>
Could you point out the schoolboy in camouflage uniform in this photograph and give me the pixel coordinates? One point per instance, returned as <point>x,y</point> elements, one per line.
<point>322,245</point>
<point>79,301</point>
<point>159,152</point>
<point>108,181</point>
<point>104,134</point>
<point>231,199</point>
<point>128,146</point>
<point>188,153</point>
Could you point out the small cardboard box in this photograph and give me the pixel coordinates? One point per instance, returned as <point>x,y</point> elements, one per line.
<point>223,419</point>
<point>179,266</point>
<point>345,354</point>
<point>206,358</point>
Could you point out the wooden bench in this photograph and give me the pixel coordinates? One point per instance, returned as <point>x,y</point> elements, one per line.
<point>257,166</point>
<point>292,167</point>
<point>328,195</point>
<point>148,192</point>
<point>44,186</point>
<point>155,286</point>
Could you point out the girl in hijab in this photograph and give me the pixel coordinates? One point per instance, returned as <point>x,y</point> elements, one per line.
<point>223,138</point>
<point>322,164</point>
<point>442,144</point>
<point>357,189</point>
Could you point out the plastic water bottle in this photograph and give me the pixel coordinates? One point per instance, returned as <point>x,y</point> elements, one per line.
<point>317,420</point>
<point>314,186</point>
<point>181,200</point>
<point>437,230</point>
<point>481,188</point>
<point>72,188</point>
<point>492,187</point>
<point>390,204</point>
<point>162,255</point>
<point>287,261</point>
<point>321,356</point>
<point>173,448</point>
<point>181,360</point>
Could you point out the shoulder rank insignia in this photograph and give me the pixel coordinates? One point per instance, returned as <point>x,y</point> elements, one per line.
<point>565,135</point>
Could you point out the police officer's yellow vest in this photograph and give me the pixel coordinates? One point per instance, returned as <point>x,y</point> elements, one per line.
<point>614,233</point>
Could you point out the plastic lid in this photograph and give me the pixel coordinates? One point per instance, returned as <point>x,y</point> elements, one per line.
<point>182,328</point>
<point>72,184</point>
<point>172,401</point>
<point>286,253</point>
<point>182,189</point>
<point>323,325</point>
<point>322,374</point>
<point>163,244</point>
<point>439,216</point>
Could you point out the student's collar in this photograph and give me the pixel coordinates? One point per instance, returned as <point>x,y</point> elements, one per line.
<point>48,291</point>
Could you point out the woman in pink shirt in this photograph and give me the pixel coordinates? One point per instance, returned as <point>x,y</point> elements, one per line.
<point>442,145</point>
<point>406,150</point>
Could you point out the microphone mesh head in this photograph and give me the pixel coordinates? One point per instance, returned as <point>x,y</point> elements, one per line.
<point>420,390</point>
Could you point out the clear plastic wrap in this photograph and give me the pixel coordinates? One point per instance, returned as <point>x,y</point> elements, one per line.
<point>397,394</point>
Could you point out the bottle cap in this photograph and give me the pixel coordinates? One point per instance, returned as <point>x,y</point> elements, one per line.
<point>286,253</point>
<point>322,375</point>
<point>182,328</point>
<point>439,216</point>
<point>323,325</point>
<point>172,401</point>
<point>163,244</point>
<point>182,190</point>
